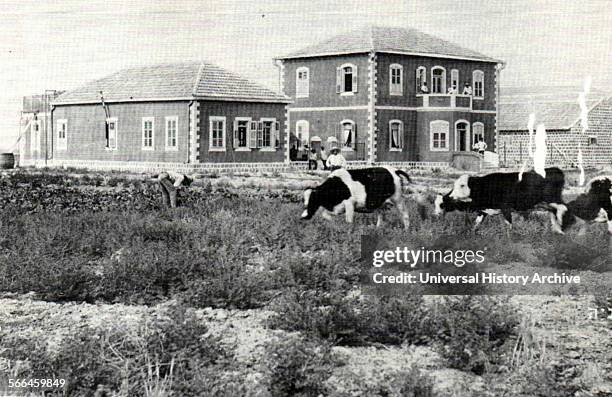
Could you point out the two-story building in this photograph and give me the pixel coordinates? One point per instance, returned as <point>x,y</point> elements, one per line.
<point>364,89</point>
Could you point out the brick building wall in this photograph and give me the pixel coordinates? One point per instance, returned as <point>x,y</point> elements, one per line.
<point>410,65</point>
<point>231,110</point>
<point>86,131</point>
<point>563,144</point>
<point>322,81</point>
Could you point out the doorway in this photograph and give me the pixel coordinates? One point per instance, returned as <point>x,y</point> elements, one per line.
<point>462,136</point>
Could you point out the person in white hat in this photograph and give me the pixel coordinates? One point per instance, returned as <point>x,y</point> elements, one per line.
<point>335,159</point>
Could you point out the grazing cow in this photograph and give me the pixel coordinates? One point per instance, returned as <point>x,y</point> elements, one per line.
<point>593,206</point>
<point>503,193</point>
<point>360,190</point>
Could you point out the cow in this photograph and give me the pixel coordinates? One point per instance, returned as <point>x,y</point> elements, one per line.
<point>593,206</point>
<point>506,192</point>
<point>359,190</point>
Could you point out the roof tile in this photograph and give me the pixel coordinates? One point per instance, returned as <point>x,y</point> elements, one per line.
<point>167,81</point>
<point>381,39</point>
<point>556,107</point>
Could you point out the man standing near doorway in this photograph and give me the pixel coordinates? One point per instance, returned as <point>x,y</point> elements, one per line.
<point>481,146</point>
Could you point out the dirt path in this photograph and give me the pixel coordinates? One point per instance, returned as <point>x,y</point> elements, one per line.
<point>572,338</point>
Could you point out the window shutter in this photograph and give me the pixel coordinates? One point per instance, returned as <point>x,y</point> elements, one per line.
<point>259,134</point>
<point>355,79</point>
<point>354,141</point>
<point>401,81</point>
<point>235,142</point>
<point>253,134</point>
<point>401,135</point>
<point>338,80</point>
<point>277,134</point>
<point>337,132</point>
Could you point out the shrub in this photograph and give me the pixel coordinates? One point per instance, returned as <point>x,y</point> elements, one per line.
<point>227,281</point>
<point>299,367</point>
<point>169,351</point>
<point>352,319</point>
<point>471,331</point>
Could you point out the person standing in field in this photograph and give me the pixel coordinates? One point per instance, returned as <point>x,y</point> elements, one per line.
<point>336,160</point>
<point>171,182</point>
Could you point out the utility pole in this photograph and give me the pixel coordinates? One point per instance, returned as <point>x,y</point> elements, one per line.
<point>48,120</point>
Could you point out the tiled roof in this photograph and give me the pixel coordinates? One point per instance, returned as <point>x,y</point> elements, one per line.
<point>556,107</point>
<point>170,81</point>
<point>387,39</point>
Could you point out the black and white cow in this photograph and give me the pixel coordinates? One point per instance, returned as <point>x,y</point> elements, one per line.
<point>504,192</point>
<point>360,190</point>
<point>593,206</point>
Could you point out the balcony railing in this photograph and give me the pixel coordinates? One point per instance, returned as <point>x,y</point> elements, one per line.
<point>452,101</point>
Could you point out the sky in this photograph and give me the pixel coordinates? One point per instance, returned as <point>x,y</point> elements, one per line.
<point>64,43</point>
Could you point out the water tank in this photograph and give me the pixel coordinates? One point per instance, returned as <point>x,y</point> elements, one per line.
<point>7,160</point>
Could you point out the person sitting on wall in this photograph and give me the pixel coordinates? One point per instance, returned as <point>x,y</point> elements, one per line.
<point>424,89</point>
<point>481,146</point>
<point>467,89</point>
<point>171,182</point>
<point>452,90</point>
<point>335,159</point>
<point>323,157</point>
<point>312,159</point>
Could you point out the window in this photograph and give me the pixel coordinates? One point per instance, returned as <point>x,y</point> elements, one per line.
<point>172,133</point>
<point>111,133</point>
<point>267,134</point>
<point>302,132</point>
<point>302,79</point>
<point>593,140</point>
<point>478,84</point>
<point>147,133</point>
<point>395,79</point>
<point>346,134</point>
<point>216,133</point>
<point>62,143</point>
<point>346,79</point>
<point>241,133</point>
<point>438,80</point>
<point>421,77</point>
<point>396,135</point>
<point>438,130</point>
<point>263,134</point>
<point>455,80</point>
<point>478,133</point>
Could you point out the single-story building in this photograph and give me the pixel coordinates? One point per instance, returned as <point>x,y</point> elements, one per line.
<point>560,112</point>
<point>183,114</point>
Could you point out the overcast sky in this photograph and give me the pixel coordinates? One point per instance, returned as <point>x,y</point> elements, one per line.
<point>62,44</point>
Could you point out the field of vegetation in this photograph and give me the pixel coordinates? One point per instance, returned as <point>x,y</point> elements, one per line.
<point>232,295</point>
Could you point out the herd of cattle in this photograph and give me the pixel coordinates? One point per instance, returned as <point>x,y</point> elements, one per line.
<point>367,190</point>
